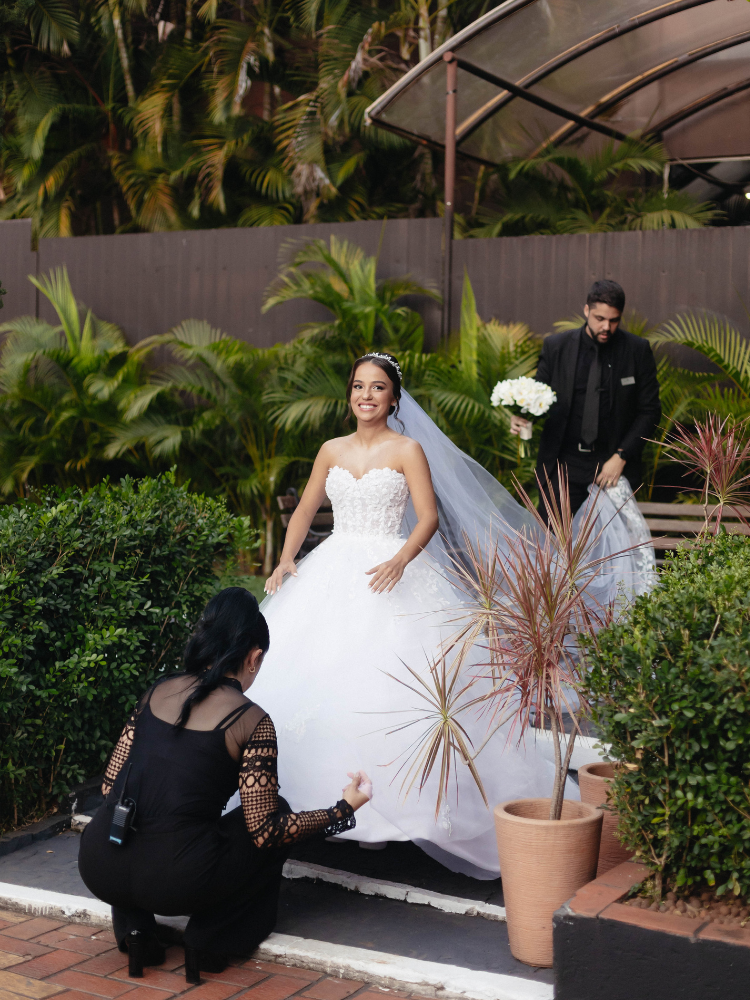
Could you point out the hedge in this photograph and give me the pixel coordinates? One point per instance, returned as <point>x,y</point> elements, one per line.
<point>671,684</point>
<point>98,592</point>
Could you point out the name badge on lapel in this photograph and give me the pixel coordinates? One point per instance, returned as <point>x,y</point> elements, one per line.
<point>628,380</point>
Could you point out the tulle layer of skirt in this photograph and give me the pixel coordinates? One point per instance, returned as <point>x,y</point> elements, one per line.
<point>337,683</point>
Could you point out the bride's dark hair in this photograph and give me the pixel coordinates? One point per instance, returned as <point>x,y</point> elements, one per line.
<point>386,363</point>
<point>229,628</point>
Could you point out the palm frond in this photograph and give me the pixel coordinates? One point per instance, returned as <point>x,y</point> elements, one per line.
<point>53,26</point>
<point>716,339</point>
<point>307,399</point>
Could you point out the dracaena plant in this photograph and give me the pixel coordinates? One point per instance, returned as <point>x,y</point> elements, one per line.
<point>514,659</point>
<point>719,453</point>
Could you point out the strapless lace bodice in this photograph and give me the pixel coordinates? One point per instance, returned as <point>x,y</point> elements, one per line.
<point>372,505</point>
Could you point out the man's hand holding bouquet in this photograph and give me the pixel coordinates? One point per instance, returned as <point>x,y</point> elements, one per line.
<point>526,400</point>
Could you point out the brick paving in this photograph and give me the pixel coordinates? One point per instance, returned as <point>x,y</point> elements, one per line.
<point>42,959</point>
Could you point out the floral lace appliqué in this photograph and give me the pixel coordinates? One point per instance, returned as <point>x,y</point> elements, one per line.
<point>372,505</point>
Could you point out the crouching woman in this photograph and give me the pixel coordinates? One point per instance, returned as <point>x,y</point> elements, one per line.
<point>160,844</point>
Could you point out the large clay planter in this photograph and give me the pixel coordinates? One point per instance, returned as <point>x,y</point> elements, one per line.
<point>543,863</point>
<point>593,780</point>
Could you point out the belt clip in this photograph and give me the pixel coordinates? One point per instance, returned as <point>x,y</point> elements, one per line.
<point>586,451</point>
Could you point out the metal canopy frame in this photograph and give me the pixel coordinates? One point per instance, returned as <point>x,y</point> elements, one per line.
<point>595,42</point>
<point>540,102</point>
<point>588,119</point>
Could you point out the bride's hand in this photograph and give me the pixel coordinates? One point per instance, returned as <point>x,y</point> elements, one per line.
<point>273,583</point>
<point>358,791</point>
<point>386,575</point>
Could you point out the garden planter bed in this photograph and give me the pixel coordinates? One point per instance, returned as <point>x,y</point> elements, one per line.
<point>606,949</point>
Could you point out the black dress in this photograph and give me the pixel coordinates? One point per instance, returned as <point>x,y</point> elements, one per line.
<point>183,857</point>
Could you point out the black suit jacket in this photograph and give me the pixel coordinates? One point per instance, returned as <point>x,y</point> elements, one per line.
<point>635,397</point>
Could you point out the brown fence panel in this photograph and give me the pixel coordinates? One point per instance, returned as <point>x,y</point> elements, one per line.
<point>148,282</point>
<point>17,261</point>
<point>540,279</point>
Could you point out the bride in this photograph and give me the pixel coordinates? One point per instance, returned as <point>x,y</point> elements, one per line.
<point>371,600</point>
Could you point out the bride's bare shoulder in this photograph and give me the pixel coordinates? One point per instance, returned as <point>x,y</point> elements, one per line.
<point>409,449</point>
<point>333,442</point>
<point>331,452</point>
<point>333,446</point>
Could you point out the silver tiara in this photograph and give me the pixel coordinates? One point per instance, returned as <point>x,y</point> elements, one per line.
<point>384,357</point>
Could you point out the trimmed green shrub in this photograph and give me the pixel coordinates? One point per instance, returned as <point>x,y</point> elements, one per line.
<point>98,592</point>
<point>671,686</point>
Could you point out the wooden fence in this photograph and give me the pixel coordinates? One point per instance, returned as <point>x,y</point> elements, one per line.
<point>146,283</point>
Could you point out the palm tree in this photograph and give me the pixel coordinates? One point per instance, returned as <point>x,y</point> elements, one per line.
<point>367,316</point>
<point>63,389</point>
<point>228,113</point>
<point>561,191</point>
<point>213,419</point>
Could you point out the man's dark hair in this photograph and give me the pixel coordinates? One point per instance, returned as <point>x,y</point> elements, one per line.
<point>608,292</point>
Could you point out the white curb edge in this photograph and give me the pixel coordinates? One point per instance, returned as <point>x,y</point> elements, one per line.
<point>396,972</point>
<point>433,979</point>
<point>60,905</point>
<point>394,890</point>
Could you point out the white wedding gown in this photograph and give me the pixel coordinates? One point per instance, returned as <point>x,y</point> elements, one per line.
<point>325,684</point>
<point>330,680</point>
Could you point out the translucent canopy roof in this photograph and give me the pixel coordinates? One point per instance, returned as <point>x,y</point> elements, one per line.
<point>573,72</point>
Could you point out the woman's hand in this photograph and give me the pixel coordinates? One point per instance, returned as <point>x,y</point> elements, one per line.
<point>386,575</point>
<point>273,583</point>
<point>352,793</point>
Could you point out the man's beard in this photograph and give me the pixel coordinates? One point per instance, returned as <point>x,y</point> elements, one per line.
<point>595,336</point>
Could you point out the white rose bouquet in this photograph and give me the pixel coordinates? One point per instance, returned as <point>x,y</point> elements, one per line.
<point>524,397</point>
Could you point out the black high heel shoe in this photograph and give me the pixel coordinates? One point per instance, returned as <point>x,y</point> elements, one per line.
<point>143,949</point>
<point>197,961</point>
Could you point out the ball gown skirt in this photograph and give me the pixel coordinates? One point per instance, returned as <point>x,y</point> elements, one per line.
<point>333,681</point>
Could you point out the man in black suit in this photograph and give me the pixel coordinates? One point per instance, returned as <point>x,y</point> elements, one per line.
<point>607,399</point>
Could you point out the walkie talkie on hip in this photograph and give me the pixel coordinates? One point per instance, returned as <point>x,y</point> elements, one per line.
<point>124,814</point>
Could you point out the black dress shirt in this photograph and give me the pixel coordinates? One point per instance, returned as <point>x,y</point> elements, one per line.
<point>582,465</point>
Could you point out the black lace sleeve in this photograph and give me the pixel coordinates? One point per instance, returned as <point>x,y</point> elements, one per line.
<point>259,792</point>
<point>119,755</point>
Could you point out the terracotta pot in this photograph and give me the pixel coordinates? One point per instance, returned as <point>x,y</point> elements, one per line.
<point>543,863</point>
<point>593,780</point>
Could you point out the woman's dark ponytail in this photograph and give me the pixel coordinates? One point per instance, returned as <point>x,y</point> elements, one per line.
<point>229,628</point>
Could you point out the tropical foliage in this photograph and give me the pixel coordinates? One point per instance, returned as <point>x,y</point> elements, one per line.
<point>561,191</point>
<point>77,404</point>
<point>62,389</point>
<point>207,412</point>
<point>366,316</point>
<point>133,115</point>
